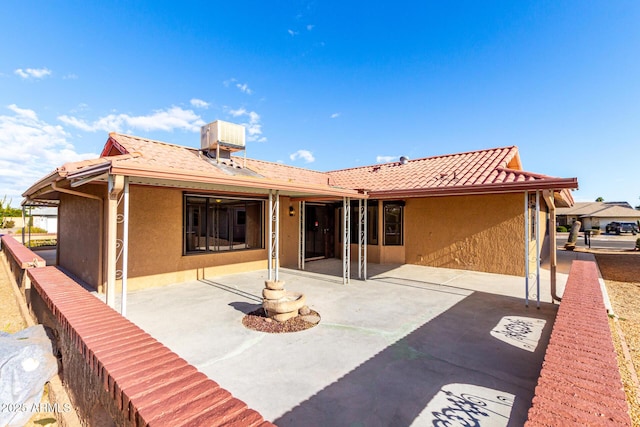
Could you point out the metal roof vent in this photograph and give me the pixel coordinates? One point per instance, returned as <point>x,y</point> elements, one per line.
<point>404,160</point>
<point>225,135</point>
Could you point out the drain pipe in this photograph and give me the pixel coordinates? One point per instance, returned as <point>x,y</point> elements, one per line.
<point>55,187</point>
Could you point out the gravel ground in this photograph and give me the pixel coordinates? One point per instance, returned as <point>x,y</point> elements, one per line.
<point>621,272</point>
<point>258,321</point>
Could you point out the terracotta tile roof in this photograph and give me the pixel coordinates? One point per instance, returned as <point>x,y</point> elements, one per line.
<point>163,155</point>
<point>615,212</point>
<point>493,166</point>
<point>599,210</point>
<point>491,170</point>
<point>285,172</point>
<point>71,167</point>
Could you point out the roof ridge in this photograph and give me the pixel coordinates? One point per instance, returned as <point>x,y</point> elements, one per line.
<point>441,156</point>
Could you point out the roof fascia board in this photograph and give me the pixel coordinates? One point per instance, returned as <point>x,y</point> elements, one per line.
<point>516,187</point>
<point>236,181</point>
<point>90,171</point>
<point>43,183</point>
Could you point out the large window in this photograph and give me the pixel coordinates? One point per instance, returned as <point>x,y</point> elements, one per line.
<point>393,213</point>
<point>372,222</point>
<point>216,224</point>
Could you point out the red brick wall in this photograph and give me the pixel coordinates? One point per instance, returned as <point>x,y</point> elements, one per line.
<point>580,382</point>
<point>117,373</point>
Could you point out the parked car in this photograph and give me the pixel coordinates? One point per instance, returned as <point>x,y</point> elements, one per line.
<point>622,227</point>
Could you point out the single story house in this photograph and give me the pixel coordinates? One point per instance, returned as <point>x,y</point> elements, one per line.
<point>148,213</point>
<point>45,218</point>
<point>597,214</point>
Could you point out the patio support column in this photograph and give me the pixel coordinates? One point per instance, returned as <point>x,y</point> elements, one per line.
<point>346,250</point>
<point>274,239</point>
<point>115,186</point>
<point>125,246</point>
<point>526,248</point>
<point>537,227</point>
<point>301,234</point>
<point>553,249</point>
<point>362,239</point>
<point>24,224</point>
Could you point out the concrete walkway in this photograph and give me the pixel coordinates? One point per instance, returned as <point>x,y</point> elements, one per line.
<point>411,346</point>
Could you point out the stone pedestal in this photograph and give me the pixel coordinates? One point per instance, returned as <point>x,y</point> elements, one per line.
<point>280,304</point>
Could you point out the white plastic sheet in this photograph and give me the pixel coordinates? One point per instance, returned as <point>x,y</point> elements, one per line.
<point>26,364</point>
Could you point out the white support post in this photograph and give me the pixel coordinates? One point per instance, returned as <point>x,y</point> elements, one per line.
<point>125,248</point>
<point>362,240</point>
<point>270,238</point>
<point>526,247</point>
<point>359,238</point>
<point>301,234</point>
<point>537,225</point>
<point>276,237</point>
<point>346,250</point>
<point>553,256</point>
<point>115,185</point>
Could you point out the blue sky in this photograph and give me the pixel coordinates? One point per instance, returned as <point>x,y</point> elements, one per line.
<point>328,85</point>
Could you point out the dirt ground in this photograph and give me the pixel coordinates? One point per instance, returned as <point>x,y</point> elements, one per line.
<point>11,321</point>
<point>621,273</point>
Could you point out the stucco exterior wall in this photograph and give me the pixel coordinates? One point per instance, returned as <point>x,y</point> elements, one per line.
<point>480,233</point>
<point>79,234</point>
<point>156,243</point>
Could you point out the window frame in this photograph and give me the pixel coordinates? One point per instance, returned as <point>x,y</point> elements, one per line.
<point>399,223</point>
<point>209,209</point>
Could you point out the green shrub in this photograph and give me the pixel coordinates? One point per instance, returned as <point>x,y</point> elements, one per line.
<point>9,224</point>
<point>561,229</point>
<point>33,230</point>
<point>39,243</point>
<point>638,243</point>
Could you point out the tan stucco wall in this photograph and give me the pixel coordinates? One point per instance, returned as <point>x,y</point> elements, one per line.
<point>155,244</point>
<point>481,233</point>
<point>79,235</point>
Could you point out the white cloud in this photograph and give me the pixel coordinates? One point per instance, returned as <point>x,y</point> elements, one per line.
<point>254,127</point>
<point>77,123</point>
<point>305,155</point>
<point>199,103</point>
<point>165,120</point>
<point>244,88</point>
<point>335,115</point>
<point>31,148</point>
<point>386,159</point>
<point>36,73</point>
<point>70,76</point>
<point>24,113</point>
<point>310,27</point>
<point>227,82</point>
<point>292,33</point>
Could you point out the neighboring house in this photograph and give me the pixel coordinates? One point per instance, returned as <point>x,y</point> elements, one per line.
<point>192,213</point>
<point>597,214</point>
<point>45,218</point>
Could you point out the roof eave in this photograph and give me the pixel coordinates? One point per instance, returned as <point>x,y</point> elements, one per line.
<point>233,181</point>
<point>514,187</point>
<point>43,183</point>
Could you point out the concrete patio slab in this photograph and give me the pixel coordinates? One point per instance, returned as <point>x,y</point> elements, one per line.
<point>410,346</point>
